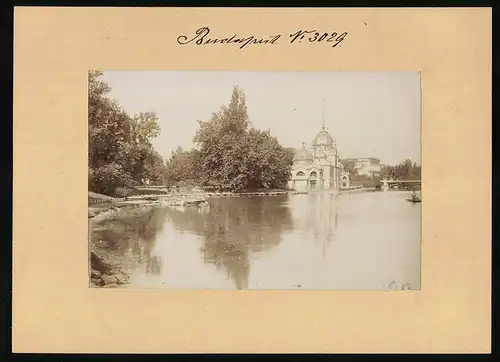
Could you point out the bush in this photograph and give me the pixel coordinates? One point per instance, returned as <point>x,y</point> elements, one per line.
<point>107,179</point>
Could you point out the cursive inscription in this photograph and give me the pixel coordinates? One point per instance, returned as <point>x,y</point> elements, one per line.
<point>202,36</point>
<point>314,36</point>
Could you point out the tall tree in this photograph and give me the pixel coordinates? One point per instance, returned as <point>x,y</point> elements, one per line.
<point>223,145</point>
<point>181,167</point>
<point>121,154</point>
<point>145,127</point>
<point>155,168</point>
<point>349,167</point>
<point>405,170</point>
<point>233,155</point>
<point>269,161</point>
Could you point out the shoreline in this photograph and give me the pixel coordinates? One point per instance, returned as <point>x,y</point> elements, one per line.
<point>106,268</point>
<point>110,207</point>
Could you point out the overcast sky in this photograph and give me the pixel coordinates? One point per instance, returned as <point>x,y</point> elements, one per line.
<point>368,114</point>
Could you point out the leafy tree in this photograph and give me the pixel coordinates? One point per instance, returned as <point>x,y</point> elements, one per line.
<point>121,154</point>
<point>145,127</point>
<point>232,155</point>
<point>405,170</point>
<point>181,167</point>
<point>350,167</point>
<point>291,154</point>
<point>270,161</point>
<point>155,168</point>
<point>223,145</point>
<point>107,178</point>
<point>387,171</point>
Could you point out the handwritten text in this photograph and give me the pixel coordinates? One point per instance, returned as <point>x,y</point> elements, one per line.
<point>201,37</point>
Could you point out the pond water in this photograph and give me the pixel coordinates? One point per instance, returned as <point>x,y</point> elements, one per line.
<point>351,241</point>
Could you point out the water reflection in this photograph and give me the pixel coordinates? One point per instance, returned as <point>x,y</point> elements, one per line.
<point>314,241</point>
<point>132,238</point>
<point>322,217</point>
<point>234,229</point>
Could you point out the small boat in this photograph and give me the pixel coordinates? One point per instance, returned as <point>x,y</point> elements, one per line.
<point>414,200</point>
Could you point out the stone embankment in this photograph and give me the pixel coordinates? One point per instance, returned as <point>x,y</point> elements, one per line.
<point>113,208</point>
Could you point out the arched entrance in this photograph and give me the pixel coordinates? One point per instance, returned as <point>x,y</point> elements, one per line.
<point>313,182</point>
<point>345,181</point>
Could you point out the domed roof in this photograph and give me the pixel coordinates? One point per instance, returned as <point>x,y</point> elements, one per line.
<point>323,138</point>
<point>303,154</point>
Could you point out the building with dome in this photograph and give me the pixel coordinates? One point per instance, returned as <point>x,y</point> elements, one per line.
<point>318,167</point>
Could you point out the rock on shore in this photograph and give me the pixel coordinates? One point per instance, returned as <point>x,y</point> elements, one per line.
<point>103,273</point>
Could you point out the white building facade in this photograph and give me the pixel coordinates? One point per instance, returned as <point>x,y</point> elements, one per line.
<point>368,166</point>
<point>317,167</point>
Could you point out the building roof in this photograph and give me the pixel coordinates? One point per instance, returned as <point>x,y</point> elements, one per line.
<point>303,154</point>
<point>359,158</point>
<point>323,138</point>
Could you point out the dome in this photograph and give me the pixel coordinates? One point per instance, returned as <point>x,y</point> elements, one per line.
<point>303,154</point>
<point>323,139</point>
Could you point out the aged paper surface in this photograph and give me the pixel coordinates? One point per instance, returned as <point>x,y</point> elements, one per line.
<point>55,311</point>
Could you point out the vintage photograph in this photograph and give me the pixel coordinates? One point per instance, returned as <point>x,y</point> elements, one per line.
<point>231,180</point>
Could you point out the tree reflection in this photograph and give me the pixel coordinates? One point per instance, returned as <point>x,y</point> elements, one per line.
<point>234,229</point>
<point>133,236</point>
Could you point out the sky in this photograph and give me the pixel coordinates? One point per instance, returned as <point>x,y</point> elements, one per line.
<point>367,114</point>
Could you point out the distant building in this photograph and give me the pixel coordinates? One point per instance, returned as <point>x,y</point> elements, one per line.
<point>317,167</point>
<point>365,166</point>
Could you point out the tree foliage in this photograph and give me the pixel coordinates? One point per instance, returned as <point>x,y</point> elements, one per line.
<point>405,170</point>
<point>180,168</point>
<point>350,167</point>
<point>232,155</point>
<point>120,151</point>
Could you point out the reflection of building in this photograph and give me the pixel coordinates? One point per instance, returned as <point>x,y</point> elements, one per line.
<point>365,166</point>
<point>322,217</point>
<point>154,265</point>
<point>318,167</point>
